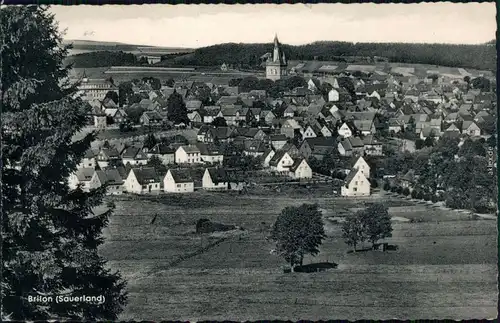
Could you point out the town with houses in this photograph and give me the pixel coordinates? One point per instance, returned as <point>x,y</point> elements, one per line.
<point>352,116</point>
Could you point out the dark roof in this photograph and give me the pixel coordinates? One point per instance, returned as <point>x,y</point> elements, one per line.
<point>181,175</point>
<point>130,152</point>
<point>208,149</point>
<point>162,149</point>
<point>277,157</point>
<point>218,175</point>
<point>85,174</point>
<point>109,177</point>
<point>321,142</point>
<point>146,175</point>
<point>280,137</point>
<point>350,176</point>
<point>296,164</point>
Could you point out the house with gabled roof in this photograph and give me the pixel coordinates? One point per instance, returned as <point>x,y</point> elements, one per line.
<point>278,141</point>
<point>89,159</point>
<point>255,148</point>
<point>116,114</point>
<point>317,147</point>
<point>134,156</point>
<point>267,116</point>
<point>471,128</point>
<point>142,180</point>
<point>164,152</point>
<point>178,181</point>
<point>82,177</point>
<point>355,184</point>
<point>189,154</point>
<point>281,162</point>
<point>215,178</point>
<point>195,117</point>
<point>429,132</point>
<point>350,146</point>
<point>219,134</point>
<point>209,153</point>
<point>266,157</point>
<point>452,127</point>
<point>210,113</point>
<point>151,118</point>
<point>110,178</point>
<point>372,147</point>
<point>311,131</point>
<point>300,169</point>
<point>106,156</point>
<point>345,131</point>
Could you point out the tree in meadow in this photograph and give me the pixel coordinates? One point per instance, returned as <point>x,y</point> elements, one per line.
<point>50,234</point>
<point>376,222</point>
<point>352,230</point>
<point>298,231</point>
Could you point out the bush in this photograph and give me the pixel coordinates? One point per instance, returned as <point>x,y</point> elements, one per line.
<point>414,194</point>
<point>419,195</point>
<point>434,199</point>
<point>399,190</point>
<point>393,189</point>
<point>374,183</point>
<point>386,186</point>
<point>406,191</point>
<point>427,197</point>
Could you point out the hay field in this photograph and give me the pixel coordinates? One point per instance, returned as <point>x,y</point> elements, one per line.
<point>442,269</point>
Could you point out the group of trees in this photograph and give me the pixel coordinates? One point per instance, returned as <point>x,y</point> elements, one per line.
<point>103,59</point>
<point>464,176</point>
<point>371,224</point>
<point>50,234</point>
<point>299,231</point>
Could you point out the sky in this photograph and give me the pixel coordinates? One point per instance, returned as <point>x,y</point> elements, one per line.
<point>193,26</point>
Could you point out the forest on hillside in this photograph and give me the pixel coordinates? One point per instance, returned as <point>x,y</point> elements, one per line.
<point>472,56</point>
<point>103,59</point>
<point>482,57</point>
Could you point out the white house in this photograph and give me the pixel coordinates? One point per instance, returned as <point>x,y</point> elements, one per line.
<point>210,154</point>
<point>215,179</point>
<point>344,131</point>
<point>266,157</point>
<point>326,132</point>
<point>134,156</point>
<point>82,176</point>
<point>300,169</point>
<point>188,155</point>
<point>281,162</point>
<point>142,181</point>
<point>355,184</point>
<point>178,181</point>
<point>89,159</point>
<point>471,128</point>
<point>311,86</point>
<point>333,95</point>
<point>361,164</point>
<point>309,133</point>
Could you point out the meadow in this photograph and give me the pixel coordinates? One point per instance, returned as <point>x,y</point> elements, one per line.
<point>444,266</point>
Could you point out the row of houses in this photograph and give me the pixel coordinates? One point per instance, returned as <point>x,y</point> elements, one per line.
<point>146,180</point>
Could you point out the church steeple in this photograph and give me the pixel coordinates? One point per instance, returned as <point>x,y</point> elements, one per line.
<point>276,53</point>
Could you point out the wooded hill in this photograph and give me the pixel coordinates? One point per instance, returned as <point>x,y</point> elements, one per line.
<point>481,57</point>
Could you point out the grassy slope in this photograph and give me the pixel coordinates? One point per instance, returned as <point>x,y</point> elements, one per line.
<point>455,277</point>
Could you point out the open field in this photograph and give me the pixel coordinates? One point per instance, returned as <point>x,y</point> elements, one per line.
<point>444,267</point>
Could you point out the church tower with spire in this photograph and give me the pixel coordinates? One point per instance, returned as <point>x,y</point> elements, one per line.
<point>276,63</point>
